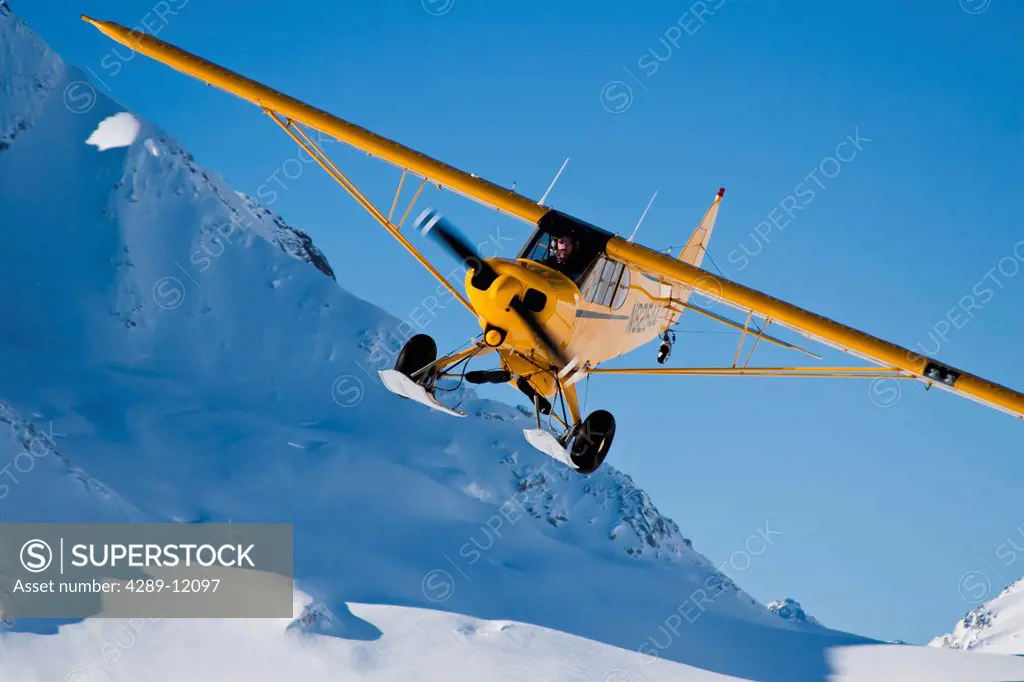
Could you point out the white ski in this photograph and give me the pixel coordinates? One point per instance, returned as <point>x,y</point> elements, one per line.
<point>543,440</point>
<point>399,384</point>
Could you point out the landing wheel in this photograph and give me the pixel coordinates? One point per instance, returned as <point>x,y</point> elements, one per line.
<point>417,353</point>
<point>591,441</point>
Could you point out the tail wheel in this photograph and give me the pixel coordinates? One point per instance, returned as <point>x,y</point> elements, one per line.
<point>592,440</point>
<point>417,353</point>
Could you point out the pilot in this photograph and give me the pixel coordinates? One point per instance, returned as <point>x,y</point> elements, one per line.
<point>565,259</point>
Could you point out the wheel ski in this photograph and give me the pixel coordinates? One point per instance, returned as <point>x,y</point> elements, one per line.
<point>399,384</point>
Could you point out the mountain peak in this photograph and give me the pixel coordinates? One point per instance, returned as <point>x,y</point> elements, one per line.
<point>791,610</point>
<point>29,76</point>
<point>996,626</point>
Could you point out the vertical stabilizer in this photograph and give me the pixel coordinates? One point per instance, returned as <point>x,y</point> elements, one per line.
<point>696,246</point>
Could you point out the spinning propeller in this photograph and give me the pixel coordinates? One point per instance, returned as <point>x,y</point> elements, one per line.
<point>432,223</point>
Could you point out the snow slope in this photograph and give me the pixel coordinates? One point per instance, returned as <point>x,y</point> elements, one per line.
<point>173,351</point>
<point>997,626</point>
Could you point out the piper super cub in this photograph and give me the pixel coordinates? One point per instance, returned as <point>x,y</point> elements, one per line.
<point>575,296</point>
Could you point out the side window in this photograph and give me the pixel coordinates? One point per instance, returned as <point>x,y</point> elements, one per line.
<point>609,279</point>
<point>605,286</point>
<point>596,281</point>
<point>621,290</point>
<point>593,280</point>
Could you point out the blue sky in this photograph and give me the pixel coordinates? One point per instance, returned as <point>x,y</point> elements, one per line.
<point>888,517</point>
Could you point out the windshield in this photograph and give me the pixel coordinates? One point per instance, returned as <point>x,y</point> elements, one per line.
<point>540,249</point>
<point>561,253</point>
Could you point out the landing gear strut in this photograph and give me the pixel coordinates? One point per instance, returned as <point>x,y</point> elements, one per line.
<point>584,443</point>
<point>541,404</point>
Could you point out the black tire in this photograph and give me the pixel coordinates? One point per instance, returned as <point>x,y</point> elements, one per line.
<point>417,353</point>
<point>592,441</point>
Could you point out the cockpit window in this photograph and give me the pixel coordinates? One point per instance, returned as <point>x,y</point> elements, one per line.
<point>565,253</point>
<point>540,249</point>
<point>590,243</point>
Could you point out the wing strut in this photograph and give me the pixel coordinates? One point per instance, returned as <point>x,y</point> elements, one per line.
<point>820,328</point>
<point>304,141</point>
<point>844,372</point>
<point>745,329</point>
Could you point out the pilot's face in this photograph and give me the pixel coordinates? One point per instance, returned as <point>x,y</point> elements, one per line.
<point>563,247</point>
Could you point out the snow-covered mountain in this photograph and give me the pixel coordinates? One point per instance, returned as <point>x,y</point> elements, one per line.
<point>997,626</point>
<point>172,351</point>
<point>790,609</point>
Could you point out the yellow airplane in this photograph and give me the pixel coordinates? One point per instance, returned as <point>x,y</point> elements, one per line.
<point>576,295</point>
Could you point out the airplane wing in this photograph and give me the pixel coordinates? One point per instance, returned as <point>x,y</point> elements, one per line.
<point>684,272</point>
<point>893,360</point>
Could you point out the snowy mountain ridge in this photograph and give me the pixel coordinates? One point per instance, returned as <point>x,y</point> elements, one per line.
<point>790,609</point>
<point>181,364</point>
<point>250,215</point>
<point>155,171</point>
<point>32,71</point>
<point>997,626</point>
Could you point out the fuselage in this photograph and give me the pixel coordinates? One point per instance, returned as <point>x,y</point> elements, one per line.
<point>613,310</point>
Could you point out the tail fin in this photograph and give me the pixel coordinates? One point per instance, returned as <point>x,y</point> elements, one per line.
<point>696,246</point>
